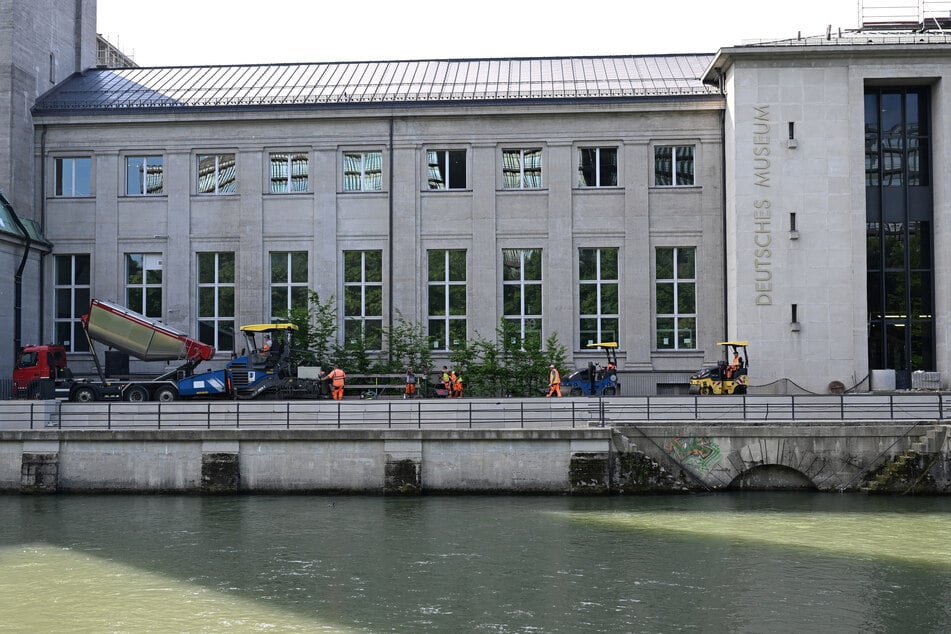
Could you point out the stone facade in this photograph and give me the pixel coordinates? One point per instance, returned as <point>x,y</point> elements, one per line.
<point>796,199</point>
<point>776,212</point>
<point>406,219</point>
<point>41,44</point>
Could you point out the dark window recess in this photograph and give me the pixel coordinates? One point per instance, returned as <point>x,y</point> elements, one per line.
<point>899,240</point>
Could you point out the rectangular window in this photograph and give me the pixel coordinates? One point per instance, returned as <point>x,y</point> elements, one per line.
<point>363,298</point>
<point>673,165</point>
<point>598,295</point>
<point>73,177</point>
<point>363,171</point>
<point>71,284</point>
<point>289,283</point>
<point>447,298</point>
<point>216,299</point>
<point>216,174</point>
<point>522,169</point>
<point>289,172</point>
<point>145,175</point>
<point>597,167</point>
<point>143,283</point>
<point>522,294</point>
<point>446,169</point>
<point>676,309</point>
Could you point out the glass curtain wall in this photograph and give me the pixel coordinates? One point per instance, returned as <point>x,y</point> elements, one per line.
<point>899,217</point>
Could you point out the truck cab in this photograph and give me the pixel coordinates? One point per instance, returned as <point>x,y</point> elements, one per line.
<point>36,363</point>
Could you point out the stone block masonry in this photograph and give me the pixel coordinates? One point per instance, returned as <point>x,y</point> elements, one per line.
<point>628,459</point>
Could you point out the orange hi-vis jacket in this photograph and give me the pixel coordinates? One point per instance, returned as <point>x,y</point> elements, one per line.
<point>337,376</point>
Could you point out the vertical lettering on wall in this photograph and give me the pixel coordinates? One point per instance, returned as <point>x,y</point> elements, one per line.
<point>762,215</point>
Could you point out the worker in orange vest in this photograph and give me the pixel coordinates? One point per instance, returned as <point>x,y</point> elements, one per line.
<point>457,386</point>
<point>452,382</point>
<point>554,381</point>
<point>447,381</point>
<point>336,378</point>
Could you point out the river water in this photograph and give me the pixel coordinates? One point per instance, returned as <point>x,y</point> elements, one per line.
<point>753,562</point>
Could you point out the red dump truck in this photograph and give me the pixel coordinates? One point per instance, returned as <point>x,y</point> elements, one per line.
<point>134,334</point>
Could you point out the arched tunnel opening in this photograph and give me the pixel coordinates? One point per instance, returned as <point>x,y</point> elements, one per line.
<point>772,477</point>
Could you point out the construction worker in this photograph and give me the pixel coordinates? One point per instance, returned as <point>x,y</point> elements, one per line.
<point>554,381</point>
<point>734,365</point>
<point>457,386</point>
<point>410,384</point>
<point>452,382</point>
<point>267,344</point>
<point>337,377</point>
<point>447,381</point>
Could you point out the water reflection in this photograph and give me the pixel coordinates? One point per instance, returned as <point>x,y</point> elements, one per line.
<point>744,563</point>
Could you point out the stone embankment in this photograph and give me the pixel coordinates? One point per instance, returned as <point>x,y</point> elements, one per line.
<point>624,459</point>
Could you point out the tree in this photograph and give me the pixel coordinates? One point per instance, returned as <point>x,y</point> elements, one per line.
<point>508,366</point>
<point>408,346</point>
<point>316,330</point>
<point>354,356</point>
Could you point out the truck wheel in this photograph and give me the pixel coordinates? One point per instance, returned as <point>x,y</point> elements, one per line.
<point>165,394</point>
<point>608,391</point>
<point>136,394</point>
<point>576,391</point>
<point>704,389</point>
<point>84,394</point>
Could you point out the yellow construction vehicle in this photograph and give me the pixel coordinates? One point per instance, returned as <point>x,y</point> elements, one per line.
<point>731,377</point>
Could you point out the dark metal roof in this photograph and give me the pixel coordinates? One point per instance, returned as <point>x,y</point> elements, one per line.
<point>11,223</point>
<point>363,83</point>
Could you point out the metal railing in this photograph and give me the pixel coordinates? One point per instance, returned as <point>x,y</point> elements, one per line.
<point>471,413</point>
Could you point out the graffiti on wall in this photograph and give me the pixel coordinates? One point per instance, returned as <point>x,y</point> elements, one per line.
<point>699,451</point>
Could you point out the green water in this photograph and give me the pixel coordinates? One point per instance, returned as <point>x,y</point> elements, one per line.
<point>758,562</point>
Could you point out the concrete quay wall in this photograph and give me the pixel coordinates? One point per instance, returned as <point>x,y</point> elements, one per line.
<point>627,459</point>
<point>307,461</point>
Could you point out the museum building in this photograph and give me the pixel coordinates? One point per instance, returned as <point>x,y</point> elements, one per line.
<point>786,193</point>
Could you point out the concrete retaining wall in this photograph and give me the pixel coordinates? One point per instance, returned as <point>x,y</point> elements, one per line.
<point>654,458</point>
<point>306,461</point>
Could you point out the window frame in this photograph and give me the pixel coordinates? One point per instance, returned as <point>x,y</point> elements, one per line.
<point>522,284</point>
<point>289,177</point>
<point>77,306</point>
<point>598,149</point>
<point>673,175</point>
<point>449,319</point>
<point>450,173</point>
<point>217,318</point>
<point>504,169</point>
<point>145,285</point>
<point>346,174</point>
<point>601,284</point>
<point>288,285</point>
<point>59,189</point>
<point>677,315</point>
<point>219,174</point>
<point>144,168</point>
<point>361,319</point>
